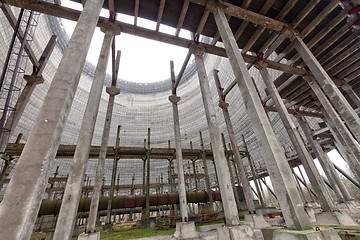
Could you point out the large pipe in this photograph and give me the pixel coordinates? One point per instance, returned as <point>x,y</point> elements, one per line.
<point>52,207</point>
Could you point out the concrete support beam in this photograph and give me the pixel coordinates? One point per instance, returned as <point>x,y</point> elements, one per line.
<point>19,208</point>
<point>113,176</point>
<point>340,132</point>
<point>179,161</point>
<point>234,145</point>
<point>329,169</point>
<point>352,94</point>
<point>67,216</point>
<point>112,91</point>
<point>206,172</point>
<point>275,160</point>
<point>299,146</point>
<point>336,98</point>
<point>222,168</point>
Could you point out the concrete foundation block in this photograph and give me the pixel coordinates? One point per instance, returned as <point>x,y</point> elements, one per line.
<point>335,218</point>
<point>90,236</point>
<point>49,235</point>
<point>256,221</point>
<point>186,230</point>
<point>285,234</point>
<point>242,232</point>
<point>207,228</point>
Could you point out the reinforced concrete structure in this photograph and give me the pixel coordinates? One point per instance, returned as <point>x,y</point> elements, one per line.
<point>269,84</point>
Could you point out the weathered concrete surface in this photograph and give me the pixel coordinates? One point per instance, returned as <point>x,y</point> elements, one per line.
<point>90,236</point>
<point>256,221</point>
<point>282,234</point>
<point>235,233</point>
<point>112,91</point>
<point>335,218</point>
<point>73,190</point>
<point>19,208</point>
<point>179,163</point>
<point>334,95</point>
<point>222,168</point>
<point>186,230</point>
<point>276,163</point>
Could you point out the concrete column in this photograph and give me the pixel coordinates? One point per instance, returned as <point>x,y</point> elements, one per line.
<point>299,186</point>
<point>179,159</point>
<point>235,148</point>
<point>146,215</point>
<point>72,193</point>
<point>112,91</point>
<point>352,94</point>
<point>195,175</point>
<point>326,164</point>
<point>113,176</point>
<point>206,172</point>
<point>232,178</point>
<point>336,98</point>
<point>222,168</point>
<point>312,194</point>
<point>19,208</point>
<point>339,130</point>
<point>255,178</point>
<point>303,155</point>
<point>275,160</point>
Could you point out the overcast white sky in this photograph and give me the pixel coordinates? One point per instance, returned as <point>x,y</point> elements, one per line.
<point>142,60</point>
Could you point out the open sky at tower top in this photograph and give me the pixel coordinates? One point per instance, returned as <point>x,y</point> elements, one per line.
<point>146,61</point>
<point>142,60</point>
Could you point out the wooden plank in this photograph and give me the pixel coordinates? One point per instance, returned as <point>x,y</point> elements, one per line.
<point>160,14</point>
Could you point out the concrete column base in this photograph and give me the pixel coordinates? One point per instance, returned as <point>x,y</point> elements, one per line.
<point>335,218</point>
<point>235,232</point>
<point>311,234</point>
<point>49,235</point>
<point>90,236</point>
<point>186,230</point>
<point>350,206</point>
<point>310,212</point>
<point>256,221</point>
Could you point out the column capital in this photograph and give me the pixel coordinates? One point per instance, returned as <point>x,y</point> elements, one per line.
<point>33,79</point>
<point>110,28</point>
<point>197,49</point>
<point>223,104</point>
<point>113,91</point>
<point>174,99</point>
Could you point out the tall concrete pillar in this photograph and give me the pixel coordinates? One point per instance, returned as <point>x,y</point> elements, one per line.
<point>179,159</point>
<point>195,175</point>
<point>303,155</point>
<point>339,130</point>
<point>222,168</point>
<point>185,229</point>
<point>232,178</point>
<point>299,186</point>
<point>112,91</point>
<point>336,98</point>
<point>206,172</point>
<point>19,208</point>
<point>326,164</point>
<point>275,160</point>
<point>72,193</point>
<point>113,176</point>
